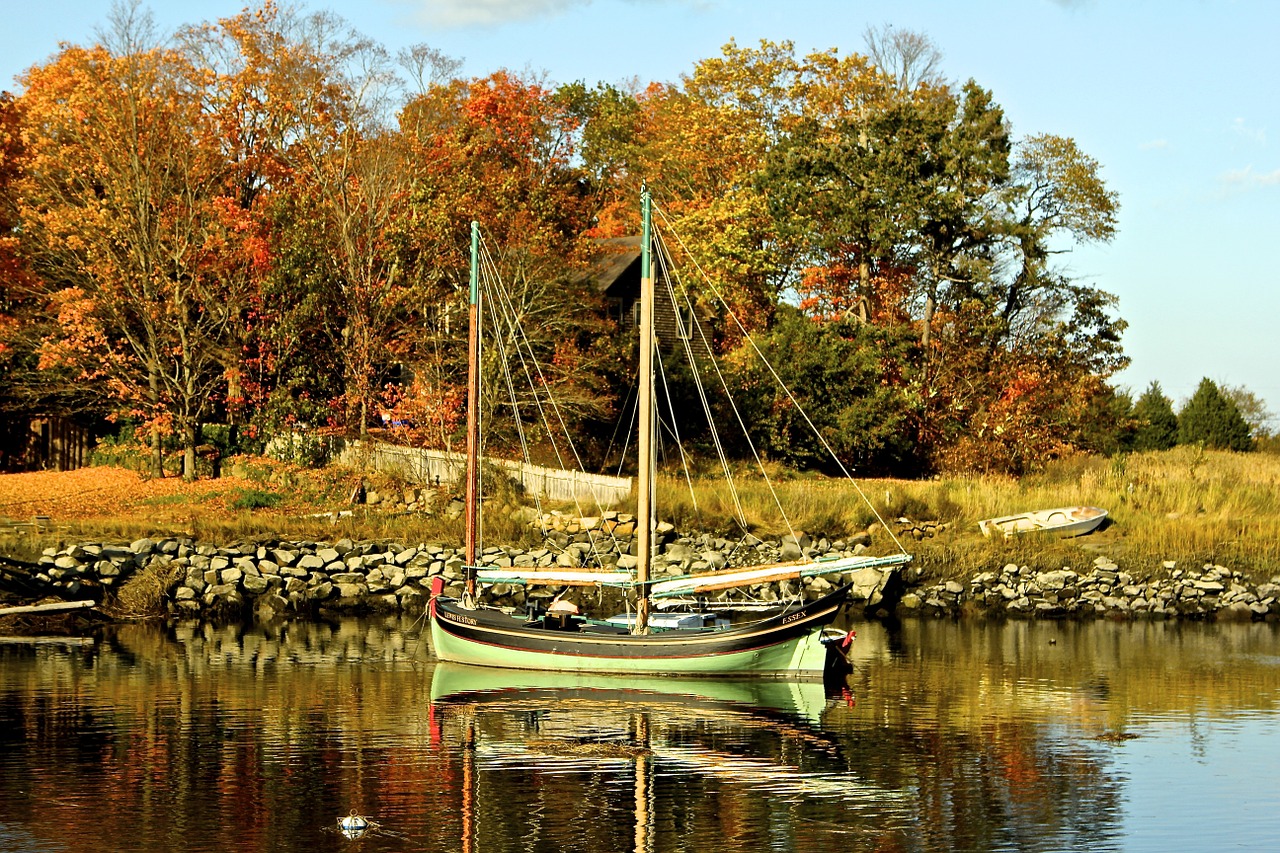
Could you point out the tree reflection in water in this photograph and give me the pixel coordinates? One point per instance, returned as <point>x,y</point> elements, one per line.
<point>964,737</point>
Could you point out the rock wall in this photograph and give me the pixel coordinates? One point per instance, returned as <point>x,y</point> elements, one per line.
<point>297,578</point>
<point>1210,592</point>
<point>302,578</point>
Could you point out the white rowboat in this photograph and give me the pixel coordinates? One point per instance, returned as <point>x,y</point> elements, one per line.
<point>1063,521</point>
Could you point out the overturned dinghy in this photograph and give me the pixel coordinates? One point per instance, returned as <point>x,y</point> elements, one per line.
<point>1063,521</point>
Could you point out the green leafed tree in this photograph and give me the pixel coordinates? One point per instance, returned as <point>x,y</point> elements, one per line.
<point>1157,423</point>
<point>1211,419</point>
<point>841,374</point>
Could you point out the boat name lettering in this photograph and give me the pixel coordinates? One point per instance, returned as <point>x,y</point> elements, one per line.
<point>793,617</point>
<point>465,620</point>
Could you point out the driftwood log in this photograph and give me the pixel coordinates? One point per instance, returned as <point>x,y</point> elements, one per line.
<point>54,607</point>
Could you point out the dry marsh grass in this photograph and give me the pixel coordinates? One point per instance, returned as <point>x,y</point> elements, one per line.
<point>1187,505</point>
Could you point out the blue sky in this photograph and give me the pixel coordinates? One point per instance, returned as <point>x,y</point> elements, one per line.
<point>1178,100</point>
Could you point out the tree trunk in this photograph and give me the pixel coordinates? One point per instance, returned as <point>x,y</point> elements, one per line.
<point>864,291</point>
<point>190,440</point>
<point>157,449</point>
<point>930,307</point>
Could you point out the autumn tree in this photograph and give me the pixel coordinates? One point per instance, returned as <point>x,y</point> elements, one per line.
<point>17,342</point>
<point>500,150</point>
<point>121,205</point>
<point>306,102</point>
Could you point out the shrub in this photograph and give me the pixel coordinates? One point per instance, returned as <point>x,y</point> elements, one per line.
<point>256,499</point>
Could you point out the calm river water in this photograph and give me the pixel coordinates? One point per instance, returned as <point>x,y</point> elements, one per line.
<point>970,736</point>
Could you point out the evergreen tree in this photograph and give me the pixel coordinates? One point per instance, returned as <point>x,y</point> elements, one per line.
<point>1211,418</point>
<point>1157,424</point>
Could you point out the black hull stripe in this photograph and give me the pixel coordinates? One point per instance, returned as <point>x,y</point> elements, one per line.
<point>487,628</point>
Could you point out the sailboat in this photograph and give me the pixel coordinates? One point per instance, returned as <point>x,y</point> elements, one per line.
<point>796,640</point>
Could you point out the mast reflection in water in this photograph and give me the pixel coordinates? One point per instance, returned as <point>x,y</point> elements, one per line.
<point>962,737</point>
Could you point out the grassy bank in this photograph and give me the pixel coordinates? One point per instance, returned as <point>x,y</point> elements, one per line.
<point>1185,505</point>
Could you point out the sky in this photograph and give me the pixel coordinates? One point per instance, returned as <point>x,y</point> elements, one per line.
<point>1178,100</point>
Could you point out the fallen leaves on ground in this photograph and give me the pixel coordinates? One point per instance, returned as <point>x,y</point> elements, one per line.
<point>90,493</point>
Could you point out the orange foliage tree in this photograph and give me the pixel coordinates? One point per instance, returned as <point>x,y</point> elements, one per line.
<point>122,212</point>
<point>302,101</point>
<point>499,150</point>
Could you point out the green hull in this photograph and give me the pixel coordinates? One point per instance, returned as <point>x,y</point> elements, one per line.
<point>800,656</point>
<point>797,698</point>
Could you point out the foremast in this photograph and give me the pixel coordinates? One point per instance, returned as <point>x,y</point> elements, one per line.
<point>473,416</point>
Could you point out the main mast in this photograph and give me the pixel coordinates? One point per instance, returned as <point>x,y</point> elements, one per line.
<point>473,415</point>
<point>644,442</point>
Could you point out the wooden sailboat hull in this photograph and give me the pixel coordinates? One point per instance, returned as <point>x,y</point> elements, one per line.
<point>787,644</point>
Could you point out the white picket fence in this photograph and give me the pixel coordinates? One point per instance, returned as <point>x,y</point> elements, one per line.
<point>428,467</point>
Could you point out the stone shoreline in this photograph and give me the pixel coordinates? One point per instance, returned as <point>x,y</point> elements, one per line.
<point>1210,592</point>
<point>292,579</point>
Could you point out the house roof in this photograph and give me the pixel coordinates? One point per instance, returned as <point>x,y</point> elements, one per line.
<point>610,261</point>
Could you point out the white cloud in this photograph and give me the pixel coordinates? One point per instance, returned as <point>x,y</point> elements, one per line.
<point>464,13</point>
<point>1247,178</point>
<point>1252,134</point>
<point>490,13</point>
<point>1154,145</point>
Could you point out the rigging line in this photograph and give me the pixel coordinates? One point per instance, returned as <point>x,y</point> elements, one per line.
<point>523,344</point>
<point>721,454</point>
<point>675,432</point>
<point>514,332</point>
<point>490,286</point>
<point>632,421</point>
<point>746,336</point>
<point>741,423</point>
<point>693,367</point>
<point>777,501</point>
<point>502,305</point>
<point>497,292</point>
<point>702,396</point>
<point>618,424</point>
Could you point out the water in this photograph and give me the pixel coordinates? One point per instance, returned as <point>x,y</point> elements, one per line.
<point>949,736</point>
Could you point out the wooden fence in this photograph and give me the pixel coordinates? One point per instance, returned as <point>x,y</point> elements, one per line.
<point>419,465</point>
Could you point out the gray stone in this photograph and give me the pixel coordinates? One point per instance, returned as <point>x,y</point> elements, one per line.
<point>221,592</point>
<point>714,559</point>
<point>254,584</point>
<point>231,575</point>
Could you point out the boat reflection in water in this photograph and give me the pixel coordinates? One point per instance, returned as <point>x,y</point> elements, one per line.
<point>656,755</point>
<point>965,736</point>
